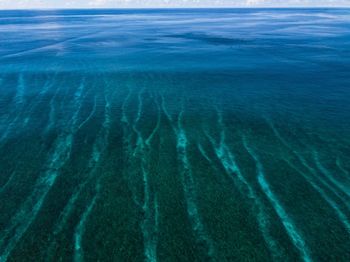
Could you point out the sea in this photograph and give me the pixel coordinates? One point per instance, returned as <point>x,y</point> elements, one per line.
<point>175,135</point>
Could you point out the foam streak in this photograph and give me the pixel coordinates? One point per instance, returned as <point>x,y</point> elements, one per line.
<point>287,222</point>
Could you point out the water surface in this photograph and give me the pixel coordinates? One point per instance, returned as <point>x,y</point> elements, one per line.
<point>175,135</point>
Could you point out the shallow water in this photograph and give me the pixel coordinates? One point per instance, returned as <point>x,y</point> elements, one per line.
<point>175,135</point>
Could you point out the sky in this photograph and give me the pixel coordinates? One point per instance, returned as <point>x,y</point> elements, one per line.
<point>34,4</point>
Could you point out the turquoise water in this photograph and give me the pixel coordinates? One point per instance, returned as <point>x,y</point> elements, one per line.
<point>175,135</point>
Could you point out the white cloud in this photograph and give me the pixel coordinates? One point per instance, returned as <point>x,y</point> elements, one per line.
<point>11,4</point>
<point>98,2</point>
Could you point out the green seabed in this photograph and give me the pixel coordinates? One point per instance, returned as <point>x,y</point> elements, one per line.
<point>177,162</point>
<point>134,165</point>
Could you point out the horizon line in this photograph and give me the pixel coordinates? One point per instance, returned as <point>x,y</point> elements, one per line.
<point>172,8</point>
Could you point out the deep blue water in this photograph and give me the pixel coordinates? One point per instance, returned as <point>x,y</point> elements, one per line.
<point>175,135</point>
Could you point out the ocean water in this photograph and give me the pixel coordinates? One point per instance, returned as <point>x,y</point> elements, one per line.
<point>175,135</point>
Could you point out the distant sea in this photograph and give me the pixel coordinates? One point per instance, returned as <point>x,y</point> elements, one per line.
<point>175,135</point>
